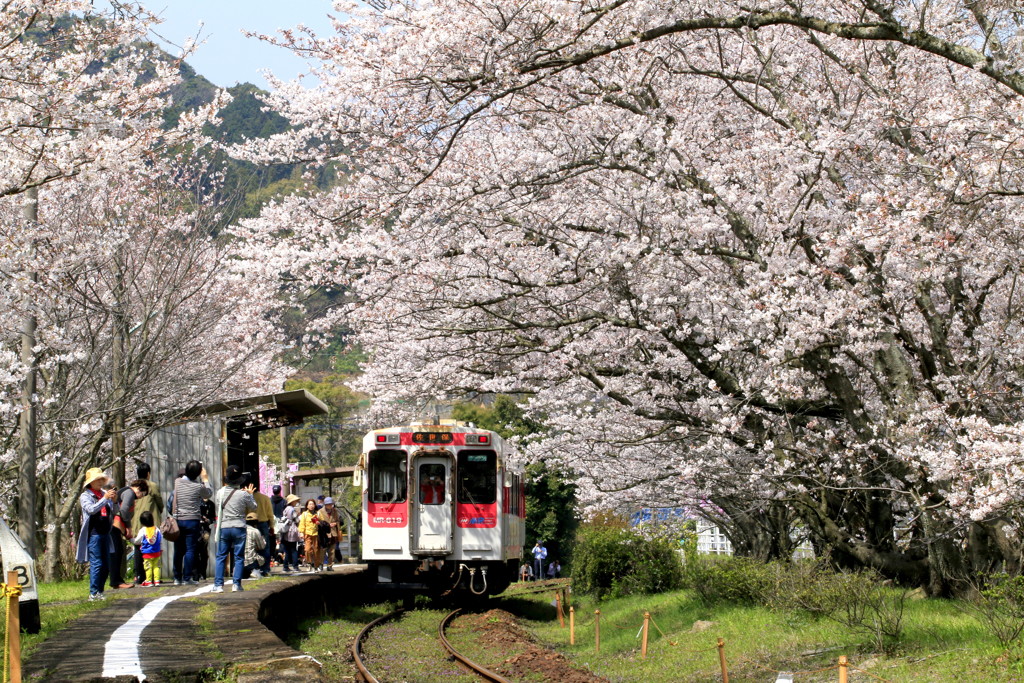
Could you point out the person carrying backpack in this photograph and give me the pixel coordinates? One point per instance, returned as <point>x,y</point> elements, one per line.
<point>150,546</point>
<point>290,532</point>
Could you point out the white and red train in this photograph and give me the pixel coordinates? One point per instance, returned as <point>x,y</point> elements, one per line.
<point>442,508</point>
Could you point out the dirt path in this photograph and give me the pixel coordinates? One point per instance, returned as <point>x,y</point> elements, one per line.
<point>499,632</point>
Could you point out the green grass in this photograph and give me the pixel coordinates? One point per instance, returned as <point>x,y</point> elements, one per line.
<point>409,651</point>
<point>59,603</point>
<point>940,643</point>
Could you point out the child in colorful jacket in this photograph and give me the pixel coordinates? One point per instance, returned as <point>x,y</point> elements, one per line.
<point>150,541</point>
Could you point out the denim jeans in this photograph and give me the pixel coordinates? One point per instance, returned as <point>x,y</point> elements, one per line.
<point>291,554</point>
<point>99,562</point>
<point>264,528</point>
<point>185,549</point>
<point>232,541</point>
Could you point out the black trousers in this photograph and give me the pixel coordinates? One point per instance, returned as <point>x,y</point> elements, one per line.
<point>140,570</point>
<point>117,559</point>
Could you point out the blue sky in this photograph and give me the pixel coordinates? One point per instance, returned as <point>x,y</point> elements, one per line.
<point>227,57</point>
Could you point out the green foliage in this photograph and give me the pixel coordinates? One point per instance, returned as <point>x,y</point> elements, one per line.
<point>723,578</point>
<point>858,600</point>
<point>350,360</point>
<point>998,602</point>
<point>611,561</point>
<point>940,643</point>
<point>550,496</point>
<point>329,440</point>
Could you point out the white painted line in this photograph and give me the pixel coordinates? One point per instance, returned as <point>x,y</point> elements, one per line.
<point>121,655</point>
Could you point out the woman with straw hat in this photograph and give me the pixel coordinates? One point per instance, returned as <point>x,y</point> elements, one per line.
<point>94,543</point>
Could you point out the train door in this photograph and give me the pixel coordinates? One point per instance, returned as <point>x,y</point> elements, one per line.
<point>433,527</point>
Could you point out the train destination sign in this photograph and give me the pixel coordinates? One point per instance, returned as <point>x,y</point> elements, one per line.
<point>428,438</point>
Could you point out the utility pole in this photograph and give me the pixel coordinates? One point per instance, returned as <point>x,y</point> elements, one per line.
<point>117,376</point>
<point>27,417</point>
<point>284,459</point>
<point>117,379</point>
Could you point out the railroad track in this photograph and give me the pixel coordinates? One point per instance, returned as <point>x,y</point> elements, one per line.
<point>486,674</point>
<point>367,677</point>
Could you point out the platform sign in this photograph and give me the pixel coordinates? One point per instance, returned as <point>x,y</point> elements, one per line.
<point>18,560</point>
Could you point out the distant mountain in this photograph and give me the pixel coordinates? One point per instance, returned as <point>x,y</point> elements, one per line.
<point>247,187</point>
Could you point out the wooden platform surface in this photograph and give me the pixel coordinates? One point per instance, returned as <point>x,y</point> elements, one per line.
<point>189,637</point>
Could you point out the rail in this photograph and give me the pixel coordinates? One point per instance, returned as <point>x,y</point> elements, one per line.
<point>357,645</point>
<point>486,674</point>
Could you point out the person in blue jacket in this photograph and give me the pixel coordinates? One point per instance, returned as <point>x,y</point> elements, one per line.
<point>94,543</point>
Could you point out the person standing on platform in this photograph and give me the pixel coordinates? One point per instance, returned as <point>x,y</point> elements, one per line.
<point>540,553</point>
<point>264,520</point>
<point>94,544</point>
<point>150,542</point>
<point>189,492</point>
<point>278,502</point>
<point>232,503</point>
<point>290,532</point>
<point>121,532</point>
<point>328,513</point>
<point>152,503</point>
<point>206,520</point>
<point>308,531</point>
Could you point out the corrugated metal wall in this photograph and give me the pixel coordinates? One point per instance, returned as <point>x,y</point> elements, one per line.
<point>167,451</point>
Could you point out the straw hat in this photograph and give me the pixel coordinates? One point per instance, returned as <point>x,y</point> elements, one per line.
<point>251,517</point>
<point>292,498</point>
<point>94,473</point>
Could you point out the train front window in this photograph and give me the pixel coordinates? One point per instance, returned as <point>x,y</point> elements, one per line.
<point>478,477</point>
<point>387,477</point>
<point>432,477</point>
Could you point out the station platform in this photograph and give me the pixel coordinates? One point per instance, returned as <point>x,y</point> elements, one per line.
<point>188,633</point>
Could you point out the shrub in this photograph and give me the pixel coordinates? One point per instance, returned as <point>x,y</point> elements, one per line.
<point>998,602</point>
<point>862,603</point>
<point>857,600</point>
<point>723,578</point>
<point>612,562</point>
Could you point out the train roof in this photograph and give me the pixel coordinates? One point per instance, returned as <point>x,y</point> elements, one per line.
<point>435,425</point>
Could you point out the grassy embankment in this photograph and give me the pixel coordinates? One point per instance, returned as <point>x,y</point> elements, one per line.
<point>939,643</point>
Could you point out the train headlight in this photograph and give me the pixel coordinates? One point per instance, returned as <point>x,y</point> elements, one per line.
<point>388,439</point>
<point>478,439</point>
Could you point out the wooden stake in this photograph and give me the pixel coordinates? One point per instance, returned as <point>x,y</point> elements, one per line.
<point>558,606</point>
<point>643,642</point>
<point>572,625</point>
<point>843,673</point>
<point>597,630</point>
<point>14,630</point>
<point>721,658</point>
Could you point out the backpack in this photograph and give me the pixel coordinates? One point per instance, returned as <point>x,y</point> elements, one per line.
<point>323,530</point>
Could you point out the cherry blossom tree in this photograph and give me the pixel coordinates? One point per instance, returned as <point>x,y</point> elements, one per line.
<point>761,258</point>
<point>129,261</point>
<point>79,88</point>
